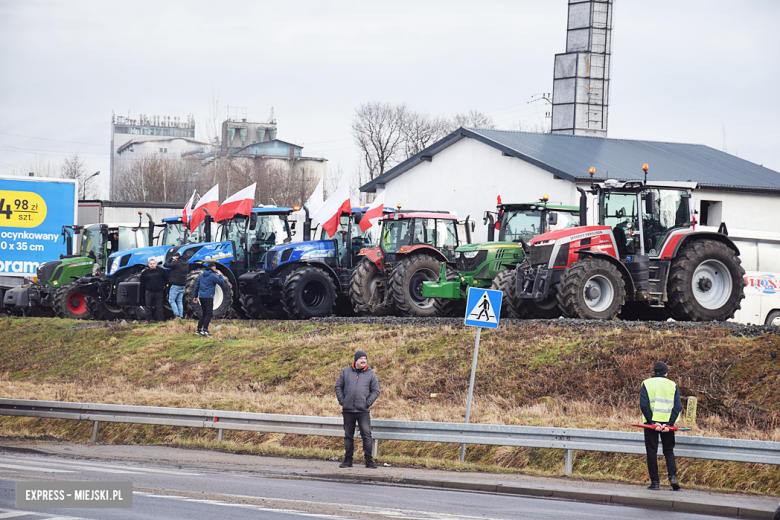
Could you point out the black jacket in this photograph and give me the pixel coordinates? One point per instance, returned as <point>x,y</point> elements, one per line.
<point>356,389</point>
<point>179,269</point>
<point>154,280</point>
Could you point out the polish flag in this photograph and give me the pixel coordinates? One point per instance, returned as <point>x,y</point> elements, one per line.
<point>500,213</point>
<point>315,201</point>
<point>185,215</point>
<point>238,204</point>
<point>373,213</point>
<point>210,202</point>
<point>330,211</point>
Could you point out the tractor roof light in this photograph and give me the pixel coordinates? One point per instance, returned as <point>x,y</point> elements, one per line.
<point>296,208</point>
<point>645,167</point>
<point>592,171</point>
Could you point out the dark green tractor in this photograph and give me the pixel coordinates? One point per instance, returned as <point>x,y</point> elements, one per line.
<point>490,265</point>
<point>54,291</point>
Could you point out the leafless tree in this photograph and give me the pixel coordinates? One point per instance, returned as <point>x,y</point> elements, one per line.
<point>74,168</point>
<point>421,130</point>
<point>377,128</point>
<point>473,119</point>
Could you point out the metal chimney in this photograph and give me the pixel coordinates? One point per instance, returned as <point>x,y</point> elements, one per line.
<point>581,77</point>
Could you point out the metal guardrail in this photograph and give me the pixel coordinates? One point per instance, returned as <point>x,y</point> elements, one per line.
<point>569,439</point>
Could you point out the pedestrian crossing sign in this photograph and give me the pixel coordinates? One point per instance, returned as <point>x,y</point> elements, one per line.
<point>483,308</point>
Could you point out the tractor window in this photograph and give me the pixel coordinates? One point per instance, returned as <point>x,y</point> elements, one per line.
<point>129,239</point>
<point>447,238</point>
<point>523,224</point>
<point>270,230</point>
<point>199,235</point>
<point>175,234</point>
<point>566,220</point>
<point>91,241</point>
<point>670,211</point>
<point>619,211</point>
<point>341,239</point>
<point>396,233</point>
<point>233,231</point>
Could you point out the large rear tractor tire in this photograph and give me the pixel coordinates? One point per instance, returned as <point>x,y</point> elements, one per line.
<point>262,307</point>
<point>592,289</point>
<point>406,285</point>
<point>365,290</point>
<point>70,302</point>
<point>223,297</point>
<point>445,307</point>
<point>309,292</point>
<point>511,305</point>
<point>706,282</point>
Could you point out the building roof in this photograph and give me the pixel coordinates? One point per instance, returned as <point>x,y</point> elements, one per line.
<point>570,157</point>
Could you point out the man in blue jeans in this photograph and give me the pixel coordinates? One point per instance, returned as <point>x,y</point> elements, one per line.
<point>356,389</point>
<point>177,278</point>
<point>204,294</point>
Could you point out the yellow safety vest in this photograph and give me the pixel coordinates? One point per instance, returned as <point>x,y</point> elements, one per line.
<point>660,391</point>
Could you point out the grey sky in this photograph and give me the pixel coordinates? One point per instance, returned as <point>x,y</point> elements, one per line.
<point>682,71</point>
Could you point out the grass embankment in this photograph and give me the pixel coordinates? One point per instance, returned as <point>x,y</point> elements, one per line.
<point>530,373</point>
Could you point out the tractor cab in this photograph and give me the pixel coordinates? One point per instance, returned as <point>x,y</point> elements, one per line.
<point>350,239</point>
<point>99,241</point>
<point>522,222</point>
<point>404,233</point>
<point>253,236</point>
<point>174,233</point>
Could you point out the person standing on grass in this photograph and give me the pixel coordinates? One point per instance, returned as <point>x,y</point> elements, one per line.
<point>177,278</point>
<point>204,294</point>
<point>154,280</point>
<point>357,389</point>
<point>659,400</point>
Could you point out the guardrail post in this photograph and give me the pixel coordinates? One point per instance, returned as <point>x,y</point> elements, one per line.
<point>95,426</point>
<point>569,457</point>
<point>375,449</point>
<point>690,412</point>
<point>219,434</point>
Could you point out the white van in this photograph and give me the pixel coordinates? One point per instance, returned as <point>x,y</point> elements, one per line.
<point>760,255</point>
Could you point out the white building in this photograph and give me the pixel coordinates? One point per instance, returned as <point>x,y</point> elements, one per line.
<point>468,169</point>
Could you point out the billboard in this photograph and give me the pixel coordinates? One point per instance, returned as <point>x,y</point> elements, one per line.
<point>32,213</point>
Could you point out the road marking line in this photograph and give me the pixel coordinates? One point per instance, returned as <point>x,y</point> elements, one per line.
<point>11,513</point>
<point>123,468</point>
<point>35,468</point>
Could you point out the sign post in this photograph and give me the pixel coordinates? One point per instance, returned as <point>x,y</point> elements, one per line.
<point>483,309</point>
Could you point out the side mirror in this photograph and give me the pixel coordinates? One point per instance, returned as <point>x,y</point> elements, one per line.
<point>485,218</point>
<point>357,217</point>
<point>473,226</point>
<point>650,203</point>
<point>552,218</point>
<point>252,221</point>
<point>292,225</point>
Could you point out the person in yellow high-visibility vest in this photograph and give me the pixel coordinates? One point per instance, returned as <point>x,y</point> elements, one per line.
<point>659,400</point>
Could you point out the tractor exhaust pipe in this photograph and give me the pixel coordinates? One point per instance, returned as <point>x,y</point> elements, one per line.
<point>583,207</point>
<point>208,225</point>
<point>151,229</point>
<point>491,224</point>
<point>307,224</point>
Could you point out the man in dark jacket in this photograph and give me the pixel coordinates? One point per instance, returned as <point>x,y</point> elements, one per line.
<point>204,294</point>
<point>177,278</point>
<point>356,389</point>
<point>659,400</point>
<point>154,280</point>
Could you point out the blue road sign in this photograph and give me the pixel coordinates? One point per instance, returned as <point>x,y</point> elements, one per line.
<point>483,308</point>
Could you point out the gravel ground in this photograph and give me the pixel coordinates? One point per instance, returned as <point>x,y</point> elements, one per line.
<point>736,329</point>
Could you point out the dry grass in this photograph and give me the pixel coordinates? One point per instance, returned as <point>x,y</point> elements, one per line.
<point>529,374</point>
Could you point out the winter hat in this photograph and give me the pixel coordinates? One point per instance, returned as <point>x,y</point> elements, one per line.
<point>359,354</point>
<point>661,368</point>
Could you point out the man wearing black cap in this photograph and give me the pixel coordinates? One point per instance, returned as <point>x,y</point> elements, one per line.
<point>356,389</point>
<point>659,400</point>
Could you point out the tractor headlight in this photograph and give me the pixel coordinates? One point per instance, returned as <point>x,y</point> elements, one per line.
<point>470,254</point>
<point>275,260</point>
<point>545,243</point>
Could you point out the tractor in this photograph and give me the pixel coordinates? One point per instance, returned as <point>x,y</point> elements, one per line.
<point>55,290</point>
<point>414,247</point>
<point>490,265</point>
<point>241,246</point>
<point>310,278</point>
<point>645,253</point>
<point>100,288</point>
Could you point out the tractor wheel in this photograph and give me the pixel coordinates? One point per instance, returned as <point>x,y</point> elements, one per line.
<point>104,311</point>
<point>445,307</point>
<point>223,297</point>
<point>40,312</point>
<point>511,306</point>
<point>309,292</point>
<point>134,312</point>
<point>547,309</point>
<point>365,293</point>
<point>592,289</point>
<point>706,282</point>
<point>70,302</point>
<point>262,307</point>
<point>406,285</point>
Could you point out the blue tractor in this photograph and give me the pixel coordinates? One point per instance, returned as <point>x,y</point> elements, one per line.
<point>311,278</point>
<point>242,242</point>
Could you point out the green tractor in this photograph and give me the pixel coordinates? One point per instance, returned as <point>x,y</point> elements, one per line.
<point>490,265</point>
<point>54,291</point>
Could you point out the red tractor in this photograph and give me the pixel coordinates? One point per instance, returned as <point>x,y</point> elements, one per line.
<point>389,279</point>
<point>645,254</point>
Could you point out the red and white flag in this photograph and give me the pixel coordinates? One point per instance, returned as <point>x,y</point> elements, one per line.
<point>315,200</point>
<point>185,215</point>
<point>210,202</point>
<point>337,204</point>
<point>373,213</point>
<point>238,204</point>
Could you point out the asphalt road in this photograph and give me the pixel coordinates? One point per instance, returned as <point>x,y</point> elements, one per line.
<point>165,491</point>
